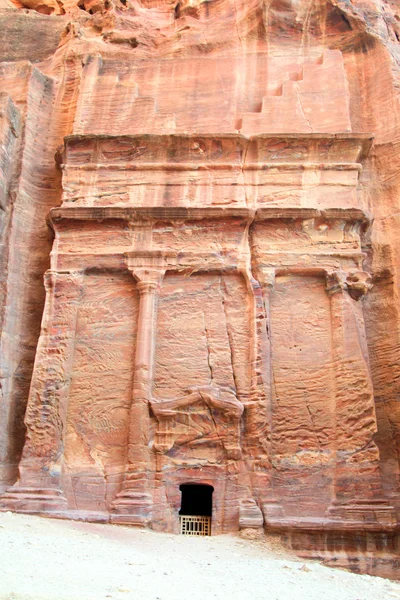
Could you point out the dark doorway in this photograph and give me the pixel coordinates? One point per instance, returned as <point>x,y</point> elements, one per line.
<point>196,499</point>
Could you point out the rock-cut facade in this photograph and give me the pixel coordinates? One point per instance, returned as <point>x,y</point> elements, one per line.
<point>200,266</point>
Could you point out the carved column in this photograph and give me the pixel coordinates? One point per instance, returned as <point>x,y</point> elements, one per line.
<point>134,503</point>
<point>357,488</point>
<point>266,275</point>
<point>39,486</point>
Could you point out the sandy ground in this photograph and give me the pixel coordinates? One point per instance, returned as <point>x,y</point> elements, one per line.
<point>44,559</point>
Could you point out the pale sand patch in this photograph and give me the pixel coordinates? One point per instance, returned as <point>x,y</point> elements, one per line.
<point>45,559</point>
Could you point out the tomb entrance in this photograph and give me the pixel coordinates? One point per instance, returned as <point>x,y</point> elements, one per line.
<point>196,509</point>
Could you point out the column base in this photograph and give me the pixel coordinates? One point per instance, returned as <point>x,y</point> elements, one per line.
<point>272,511</point>
<point>33,500</point>
<point>132,508</point>
<point>250,515</point>
<point>364,511</point>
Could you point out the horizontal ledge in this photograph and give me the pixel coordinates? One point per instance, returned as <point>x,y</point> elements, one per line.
<point>210,166</point>
<point>174,213</point>
<point>324,524</point>
<point>265,254</point>
<point>259,257</point>
<point>219,136</point>
<point>191,262</point>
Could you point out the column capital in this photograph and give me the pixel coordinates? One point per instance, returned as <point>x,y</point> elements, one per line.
<point>357,283</point>
<point>147,287</point>
<point>148,267</point>
<point>148,280</point>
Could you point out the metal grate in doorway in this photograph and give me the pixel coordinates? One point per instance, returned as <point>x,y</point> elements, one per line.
<point>191,525</point>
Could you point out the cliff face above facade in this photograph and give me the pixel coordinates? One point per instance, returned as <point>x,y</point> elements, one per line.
<point>210,191</point>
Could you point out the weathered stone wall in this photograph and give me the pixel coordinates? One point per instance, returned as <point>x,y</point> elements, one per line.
<point>100,388</point>
<point>304,414</point>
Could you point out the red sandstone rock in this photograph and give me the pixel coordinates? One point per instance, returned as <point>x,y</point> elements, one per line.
<point>221,181</point>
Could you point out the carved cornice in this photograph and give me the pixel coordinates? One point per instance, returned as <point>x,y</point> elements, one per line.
<point>214,148</point>
<point>190,166</point>
<point>223,171</point>
<point>140,214</point>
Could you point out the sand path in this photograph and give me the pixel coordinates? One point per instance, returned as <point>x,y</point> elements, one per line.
<point>45,559</point>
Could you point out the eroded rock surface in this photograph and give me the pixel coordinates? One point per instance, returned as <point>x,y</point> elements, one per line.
<point>209,190</point>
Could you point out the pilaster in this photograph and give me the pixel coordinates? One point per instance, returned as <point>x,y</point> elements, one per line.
<point>358,492</point>
<point>39,486</point>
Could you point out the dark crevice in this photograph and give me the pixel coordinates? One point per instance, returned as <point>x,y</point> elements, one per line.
<point>196,499</point>
<point>345,19</point>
